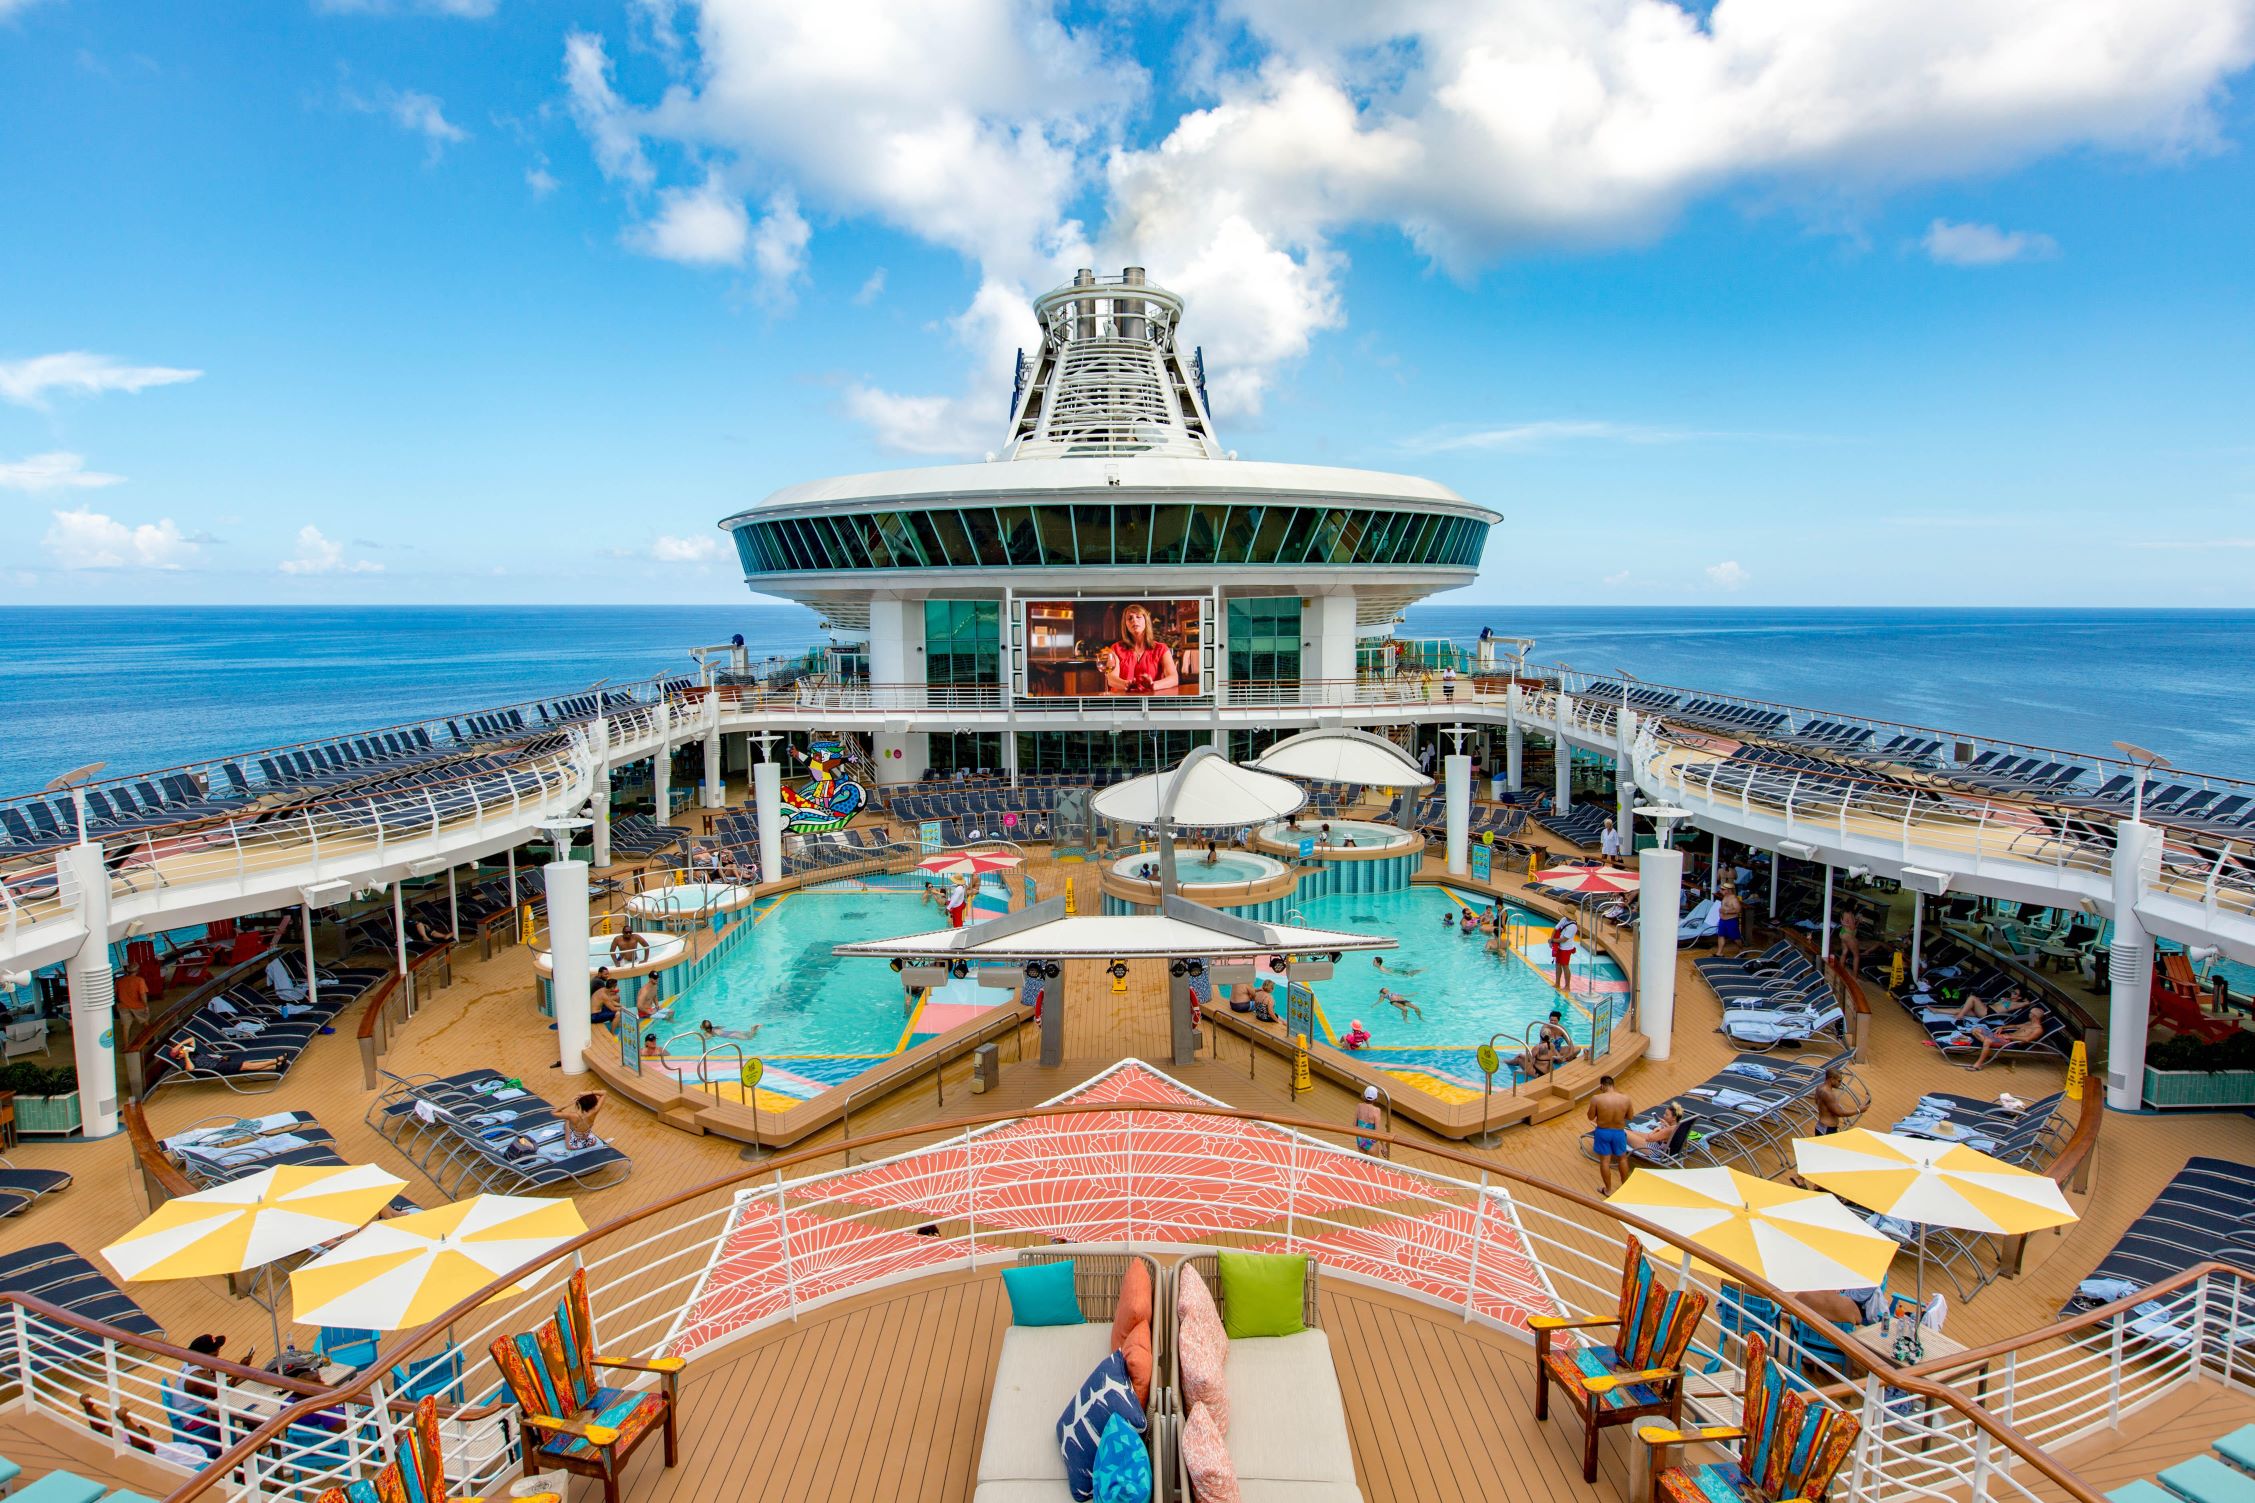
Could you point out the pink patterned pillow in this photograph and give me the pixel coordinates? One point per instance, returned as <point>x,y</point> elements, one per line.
<point>1201,1349</point>
<point>1205,1456</point>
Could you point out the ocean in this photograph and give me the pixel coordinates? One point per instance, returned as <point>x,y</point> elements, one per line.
<point>150,688</point>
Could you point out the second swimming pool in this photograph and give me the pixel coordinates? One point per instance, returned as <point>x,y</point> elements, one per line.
<point>1466,993</point>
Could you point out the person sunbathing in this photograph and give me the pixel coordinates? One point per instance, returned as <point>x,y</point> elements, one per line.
<point>1535,1063</point>
<point>1992,1040</point>
<point>1401,1003</point>
<point>1660,1134</point>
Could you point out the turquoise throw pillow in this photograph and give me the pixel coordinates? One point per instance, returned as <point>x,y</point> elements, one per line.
<point>1041,1294</point>
<point>1123,1464</point>
<point>1263,1294</point>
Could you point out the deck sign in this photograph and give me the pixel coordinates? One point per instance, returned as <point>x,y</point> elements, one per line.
<point>931,837</point>
<point>1483,863</point>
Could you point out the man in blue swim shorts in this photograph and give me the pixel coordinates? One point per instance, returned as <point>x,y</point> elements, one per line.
<point>1610,1110</point>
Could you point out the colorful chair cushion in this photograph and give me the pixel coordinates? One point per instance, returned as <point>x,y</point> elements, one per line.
<point>1569,1365</point>
<point>1122,1473</point>
<point>1201,1355</point>
<point>1205,1457</point>
<point>1134,1307</point>
<point>1137,1353</point>
<point>1042,1294</point>
<point>1793,1444</point>
<point>1105,1395</point>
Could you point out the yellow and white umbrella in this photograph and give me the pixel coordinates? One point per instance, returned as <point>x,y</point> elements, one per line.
<point>249,1222</point>
<point>400,1273</point>
<point>1931,1184</point>
<point>1795,1239</point>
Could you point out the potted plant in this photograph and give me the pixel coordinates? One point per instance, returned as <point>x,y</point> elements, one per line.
<point>2187,1071</point>
<point>46,1099</point>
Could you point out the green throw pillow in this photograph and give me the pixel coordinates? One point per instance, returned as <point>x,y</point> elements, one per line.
<point>1041,1294</point>
<point>1263,1294</point>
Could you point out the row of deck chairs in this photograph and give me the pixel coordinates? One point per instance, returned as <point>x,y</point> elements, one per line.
<point>842,848</point>
<point>2206,810</point>
<point>1430,819</point>
<point>1779,996</point>
<point>62,1277</point>
<point>167,798</point>
<point>1954,970</point>
<point>2031,1136</point>
<point>1581,825</point>
<point>221,1150</point>
<point>2206,1212</point>
<point>20,1187</point>
<point>1746,1114</point>
<point>642,835</point>
<point>476,1132</point>
<point>249,1034</point>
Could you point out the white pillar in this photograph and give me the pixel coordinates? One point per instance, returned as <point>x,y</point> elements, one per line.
<point>601,805</point>
<point>716,789</point>
<point>1563,775</point>
<point>1917,934</point>
<point>661,763</point>
<point>1514,753</point>
<point>1824,930</point>
<point>312,967</point>
<point>1776,861</point>
<point>93,994</point>
<point>1659,893</point>
<point>1456,772</point>
<point>567,960</point>
<point>2130,969</point>
<point>767,803</point>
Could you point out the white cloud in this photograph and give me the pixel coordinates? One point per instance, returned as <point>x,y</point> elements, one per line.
<point>415,112</point>
<point>702,226</point>
<point>872,289</point>
<point>1615,581</point>
<point>779,244</point>
<point>86,539</point>
<point>317,554</point>
<point>78,373</point>
<point>540,180</point>
<point>1475,130</point>
<point>1984,244</point>
<point>10,7</point>
<point>1727,575</point>
<point>56,470</point>
<point>668,549</point>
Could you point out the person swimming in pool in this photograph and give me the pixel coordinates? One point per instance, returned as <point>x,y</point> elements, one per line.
<point>1378,963</point>
<point>712,1031</point>
<point>1401,1003</point>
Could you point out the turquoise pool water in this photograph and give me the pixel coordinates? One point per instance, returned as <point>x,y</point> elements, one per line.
<point>1366,834</point>
<point>821,1017</point>
<point>1193,868</point>
<point>1467,992</point>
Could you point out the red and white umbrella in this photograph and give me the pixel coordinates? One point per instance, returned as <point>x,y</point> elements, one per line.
<point>1587,879</point>
<point>969,863</point>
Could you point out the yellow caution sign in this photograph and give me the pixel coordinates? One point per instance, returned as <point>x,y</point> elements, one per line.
<point>1119,979</point>
<point>1071,907</point>
<point>1897,964</point>
<point>2078,1066</point>
<point>1534,864</point>
<point>524,923</point>
<point>1302,1079</point>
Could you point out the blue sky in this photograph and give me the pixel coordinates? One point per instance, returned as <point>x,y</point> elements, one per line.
<point>466,300</point>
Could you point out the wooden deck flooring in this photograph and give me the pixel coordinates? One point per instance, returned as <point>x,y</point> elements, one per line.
<point>1462,1382</point>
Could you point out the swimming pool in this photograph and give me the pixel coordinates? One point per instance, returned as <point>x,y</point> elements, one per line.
<point>1193,868</point>
<point>1467,993</point>
<point>1368,835</point>
<point>821,1018</point>
<point>690,897</point>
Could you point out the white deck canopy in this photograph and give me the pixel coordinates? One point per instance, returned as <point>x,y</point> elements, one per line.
<point>1213,792</point>
<point>1342,755</point>
<point>1179,930</point>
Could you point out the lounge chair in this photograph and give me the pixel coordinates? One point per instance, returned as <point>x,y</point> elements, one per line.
<point>19,1188</point>
<point>1639,1374</point>
<point>1790,1444</point>
<point>584,1428</point>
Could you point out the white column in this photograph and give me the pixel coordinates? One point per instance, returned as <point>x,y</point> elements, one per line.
<point>716,788</point>
<point>1659,892</point>
<point>661,763</point>
<point>1514,749</point>
<point>1776,861</point>
<point>2130,969</point>
<point>399,926</point>
<point>599,740</point>
<point>93,994</point>
<point>1331,626</point>
<point>1563,794</point>
<point>1824,930</point>
<point>767,802</point>
<point>1917,933</point>
<point>567,960</point>
<point>1456,772</point>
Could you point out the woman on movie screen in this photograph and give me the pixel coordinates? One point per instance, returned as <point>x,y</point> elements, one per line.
<point>1139,663</point>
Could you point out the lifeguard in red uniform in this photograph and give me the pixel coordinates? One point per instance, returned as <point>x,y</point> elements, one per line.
<point>1139,663</point>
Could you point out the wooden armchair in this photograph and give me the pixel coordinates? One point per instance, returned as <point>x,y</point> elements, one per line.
<point>581,1427</point>
<point>1638,1375</point>
<point>1791,1444</point>
<point>417,1473</point>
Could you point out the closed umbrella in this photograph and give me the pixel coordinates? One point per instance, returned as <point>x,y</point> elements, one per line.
<point>249,1222</point>
<point>1794,1239</point>
<point>400,1273</point>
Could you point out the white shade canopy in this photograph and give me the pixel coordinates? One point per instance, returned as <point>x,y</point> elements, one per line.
<point>1214,792</point>
<point>1115,937</point>
<point>1343,756</point>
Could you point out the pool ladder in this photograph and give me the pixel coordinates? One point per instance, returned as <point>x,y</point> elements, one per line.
<point>705,1046</point>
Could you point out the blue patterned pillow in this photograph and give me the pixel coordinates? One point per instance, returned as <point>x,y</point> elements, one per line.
<point>1123,1465</point>
<point>1105,1393</point>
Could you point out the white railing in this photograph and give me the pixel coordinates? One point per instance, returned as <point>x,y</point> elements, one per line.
<point>693,1274</point>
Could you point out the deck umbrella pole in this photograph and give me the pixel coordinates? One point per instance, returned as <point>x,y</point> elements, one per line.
<point>1825,936</point>
<point>399,925</point>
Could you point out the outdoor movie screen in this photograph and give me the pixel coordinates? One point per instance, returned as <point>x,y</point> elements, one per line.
<point>1127,648</point>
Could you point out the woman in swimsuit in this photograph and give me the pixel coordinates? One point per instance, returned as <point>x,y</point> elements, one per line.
<point>1139,663</point>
